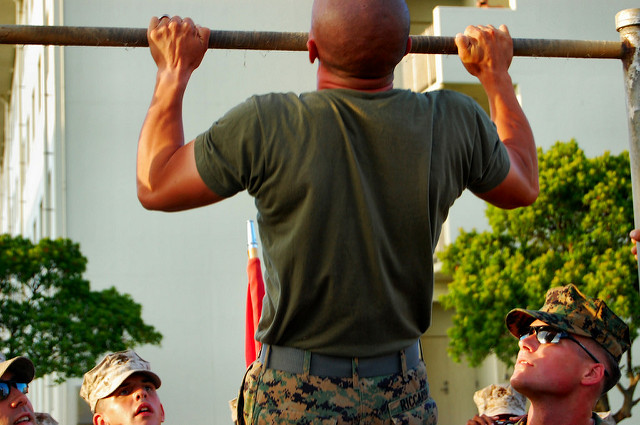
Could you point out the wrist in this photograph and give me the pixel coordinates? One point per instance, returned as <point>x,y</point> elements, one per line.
<point>172,79</point>
<point>493,81</point>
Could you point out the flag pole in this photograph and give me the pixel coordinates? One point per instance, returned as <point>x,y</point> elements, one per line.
<point>252,240</point>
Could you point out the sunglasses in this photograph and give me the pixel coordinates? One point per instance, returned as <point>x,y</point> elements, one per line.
<point>551,335</point>
<point>5,388</point>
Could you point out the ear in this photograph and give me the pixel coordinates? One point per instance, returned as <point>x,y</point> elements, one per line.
<point>162,411</point>
<point>409,42</point>
<point>594,375</point>
<point>98,419</point>
<point>313,50</point>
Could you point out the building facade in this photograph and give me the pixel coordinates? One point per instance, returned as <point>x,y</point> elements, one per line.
<point>71,121</point>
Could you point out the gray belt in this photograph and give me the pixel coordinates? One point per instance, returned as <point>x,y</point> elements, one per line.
<point>292,360</point>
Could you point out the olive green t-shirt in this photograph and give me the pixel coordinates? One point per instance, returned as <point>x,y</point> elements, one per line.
<point>351,190</point>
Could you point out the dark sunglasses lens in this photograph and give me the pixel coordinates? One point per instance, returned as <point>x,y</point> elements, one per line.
<point>525,333</point>
<point>545,337</point>
<point>4,390</point>
<point>23,388</point>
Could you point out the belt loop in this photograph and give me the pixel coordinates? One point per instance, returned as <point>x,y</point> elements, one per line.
<point>267,352</point>
<point>403,362</point>
<point>354,372</point>
<point>306,367</point>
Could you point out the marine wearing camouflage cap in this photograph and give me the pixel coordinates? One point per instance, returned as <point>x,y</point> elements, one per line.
<point>110,373</point>
<point>566,308</point>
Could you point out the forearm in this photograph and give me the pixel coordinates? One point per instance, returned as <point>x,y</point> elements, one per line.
<point>514,131</point>
<point>162,132</point>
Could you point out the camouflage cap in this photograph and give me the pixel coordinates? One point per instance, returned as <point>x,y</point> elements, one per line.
<point>568,309</point>
<point>500,399</point>
<point>110,373</point>
<point>21,368</point>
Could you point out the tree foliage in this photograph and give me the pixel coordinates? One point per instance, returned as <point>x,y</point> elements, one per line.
<point>49,313</point>
<point>576,232</point>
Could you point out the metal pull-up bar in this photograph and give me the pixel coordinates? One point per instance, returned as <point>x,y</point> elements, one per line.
<point>289,41</point>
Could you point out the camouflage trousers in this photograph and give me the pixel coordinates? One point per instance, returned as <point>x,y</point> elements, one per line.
<point>271,396</point>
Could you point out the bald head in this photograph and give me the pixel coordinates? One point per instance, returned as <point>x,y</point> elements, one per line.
<point>360,38</point>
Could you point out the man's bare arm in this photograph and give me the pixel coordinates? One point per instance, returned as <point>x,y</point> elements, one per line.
<point>486,52</point>
<point>167,177</point>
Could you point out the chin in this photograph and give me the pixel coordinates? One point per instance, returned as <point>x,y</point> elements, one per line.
<point>517,381</point>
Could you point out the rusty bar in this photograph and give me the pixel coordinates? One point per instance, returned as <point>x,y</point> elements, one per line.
<point>288,41</point>
<point>530,47</point>
<point>258,40</point>
<point>137,37</point>
<point>73,36</point>
<point>628,25</point>
<point>586,49</point>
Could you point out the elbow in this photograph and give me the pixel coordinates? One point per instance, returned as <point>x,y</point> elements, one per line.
<point>514,197</point>
<point>155,197</point>
<point>152,204</point>
<point>528,197</point>
<point>147,199</point>
<point>147,193</point>
<point>146,202</point>
<point>531,196</point>
<point>521,199</point>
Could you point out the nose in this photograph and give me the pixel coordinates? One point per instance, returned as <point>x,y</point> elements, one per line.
<point>529,343</point>
<point>17,398</point>
<point>141,393</point>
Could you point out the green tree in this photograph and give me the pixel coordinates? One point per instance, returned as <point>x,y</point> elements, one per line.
<point>49,313</point>
<point>576,232</point>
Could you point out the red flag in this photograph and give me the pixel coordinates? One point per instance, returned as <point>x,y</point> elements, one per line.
<point>255,293</point>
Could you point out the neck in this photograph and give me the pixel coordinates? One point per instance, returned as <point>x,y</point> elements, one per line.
<point>559,413</point>
<point>331,80</point>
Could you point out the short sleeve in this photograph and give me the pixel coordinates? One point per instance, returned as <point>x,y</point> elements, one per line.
<point>229,155</point>
<point>490,161</point>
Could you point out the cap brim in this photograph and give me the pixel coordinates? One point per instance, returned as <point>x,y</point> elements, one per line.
<point>116,383</point>
<point>21,369</point>
<point>519,319</point>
